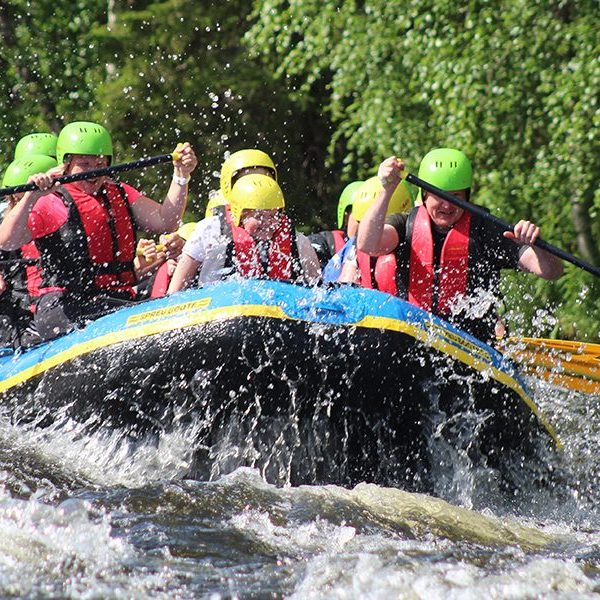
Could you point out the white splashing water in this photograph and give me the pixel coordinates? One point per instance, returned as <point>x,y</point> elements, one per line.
<point>67,551</point>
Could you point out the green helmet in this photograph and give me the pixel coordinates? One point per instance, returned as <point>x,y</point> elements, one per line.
<point>446,168</point>
<point>19,171</point>
<point>36,143</point>
<point>83,137</point>
<point>346,200</point>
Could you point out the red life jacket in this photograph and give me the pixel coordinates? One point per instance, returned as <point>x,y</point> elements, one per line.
<point>339,239</point>
<point>161,281</point>
<point>378,272</point>
<point>33,273</point>
<point>283,253</point>
<point>453,267</point>
<point>93,251</point>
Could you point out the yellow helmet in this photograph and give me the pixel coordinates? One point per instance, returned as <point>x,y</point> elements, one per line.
<point>186,230</point>
<point>243,159</point>
<point>255,192</point>
<point>214,199</point>
<point>400,202</point>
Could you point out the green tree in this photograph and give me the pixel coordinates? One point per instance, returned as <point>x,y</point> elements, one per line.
<point>178,71</point>
<point>514,84</point>
<point>49,65</point>
<point>156,73</point>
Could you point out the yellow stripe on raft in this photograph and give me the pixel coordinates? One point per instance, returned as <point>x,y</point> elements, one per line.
<point>133,333</point>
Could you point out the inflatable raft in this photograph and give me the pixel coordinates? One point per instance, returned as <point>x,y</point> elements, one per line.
<point>350,384</point>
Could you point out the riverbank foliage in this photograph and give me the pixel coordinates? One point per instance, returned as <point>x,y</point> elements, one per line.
<point>331,88</point>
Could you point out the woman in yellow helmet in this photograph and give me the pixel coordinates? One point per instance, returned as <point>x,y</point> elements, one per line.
<point>245,162</point>
<point>209,231</point>
<point>261,242</point>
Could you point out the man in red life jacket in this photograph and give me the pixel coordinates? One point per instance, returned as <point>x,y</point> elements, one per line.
<point>85,231</point>
<point>262,242</point>
<point>449,260</point>
<point>210,230</point>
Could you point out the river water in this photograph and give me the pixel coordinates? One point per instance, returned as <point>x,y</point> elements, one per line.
<point>94,517</point>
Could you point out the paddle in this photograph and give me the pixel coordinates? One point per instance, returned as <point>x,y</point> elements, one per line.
<point>18,261</point>
<point>480,211</point>
<point>103,172</point>
<point>572,365</point>
<point>577,348</point>
<point>159,248</point>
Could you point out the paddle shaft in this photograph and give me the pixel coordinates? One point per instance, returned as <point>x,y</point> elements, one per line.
<point>18,261</point>
<point>484,214</point>
<point>105,171</point>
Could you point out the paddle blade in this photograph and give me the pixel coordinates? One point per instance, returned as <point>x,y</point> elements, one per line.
<point>571,365</point>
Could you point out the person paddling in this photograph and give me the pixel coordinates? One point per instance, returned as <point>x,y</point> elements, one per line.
<point>353,266</point>
<point>262,242</point>
<point>156,263</point>
<point>85,231</point>
<point>449,260</point>
<point>19,273</point>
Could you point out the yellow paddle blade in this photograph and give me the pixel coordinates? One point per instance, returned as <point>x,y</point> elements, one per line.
<point>572,365</point>
<point>578,348</point>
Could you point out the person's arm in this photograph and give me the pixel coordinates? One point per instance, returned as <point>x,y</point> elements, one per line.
<point>155,217</point>
<point>185,271</point>
<point>533,259</point>
<point>349,273</point>
<point>308,260</point>
<point>374,236</point>
<point>14,229</point>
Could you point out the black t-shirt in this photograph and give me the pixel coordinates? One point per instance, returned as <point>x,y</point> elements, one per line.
<point>13,272</point>
<point>489,253</point>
